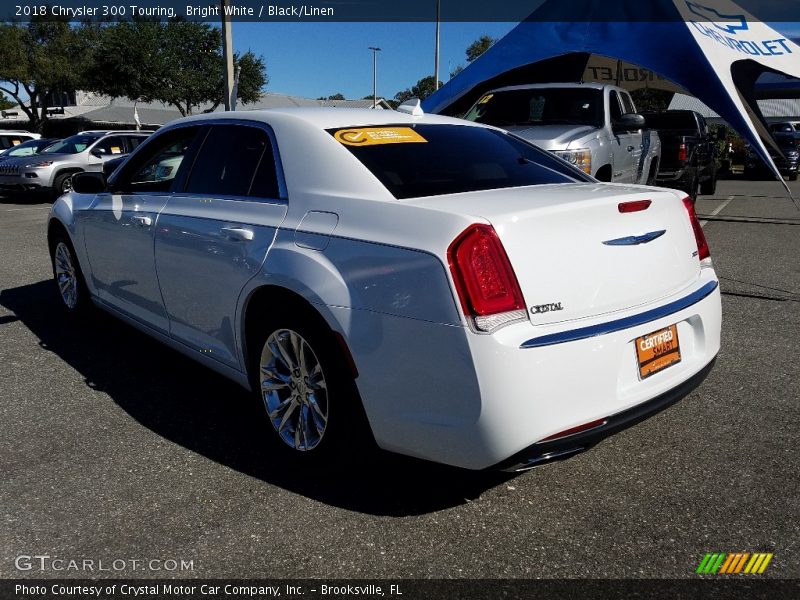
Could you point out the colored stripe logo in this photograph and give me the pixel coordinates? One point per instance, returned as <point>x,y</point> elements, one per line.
<point>720,563</point>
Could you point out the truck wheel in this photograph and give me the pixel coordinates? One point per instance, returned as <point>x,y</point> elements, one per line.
<point>709,186</point>
<point>694,189</point>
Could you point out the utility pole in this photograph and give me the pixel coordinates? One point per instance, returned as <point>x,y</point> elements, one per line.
<point>227,53</point>
<point>436,52</point>
<point>374,75</point>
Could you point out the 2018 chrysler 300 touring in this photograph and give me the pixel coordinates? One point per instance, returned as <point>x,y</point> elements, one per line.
<point>444,286</point>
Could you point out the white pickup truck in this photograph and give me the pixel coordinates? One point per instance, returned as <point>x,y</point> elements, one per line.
<point>592,125</point>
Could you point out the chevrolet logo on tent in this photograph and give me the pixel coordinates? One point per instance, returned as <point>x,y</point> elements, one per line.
<point>721,563</point>
<point>739,23</point>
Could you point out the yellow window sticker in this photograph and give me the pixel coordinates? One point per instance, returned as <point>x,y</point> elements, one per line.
<point>486,98</point>
<point>374,136</point>
<point>116,150</point>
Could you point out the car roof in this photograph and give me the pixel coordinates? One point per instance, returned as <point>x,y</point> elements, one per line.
<point>329,118</point>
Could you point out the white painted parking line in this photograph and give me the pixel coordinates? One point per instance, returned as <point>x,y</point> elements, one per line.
<point>718,210</point>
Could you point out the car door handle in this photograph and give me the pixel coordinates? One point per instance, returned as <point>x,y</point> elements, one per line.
<point>238,233</point>
<point>142,220</point>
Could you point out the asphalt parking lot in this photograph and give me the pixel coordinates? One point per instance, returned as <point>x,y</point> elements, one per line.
<point>114,447</point>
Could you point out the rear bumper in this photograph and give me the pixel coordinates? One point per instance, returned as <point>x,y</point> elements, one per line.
<point>479,401</point>
<point>543,452</point>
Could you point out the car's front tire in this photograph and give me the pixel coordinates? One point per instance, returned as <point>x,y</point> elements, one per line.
<point>306,392</point>
<point>68,276</point>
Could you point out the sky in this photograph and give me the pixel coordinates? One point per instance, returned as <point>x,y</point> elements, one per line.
<point>321,59</point>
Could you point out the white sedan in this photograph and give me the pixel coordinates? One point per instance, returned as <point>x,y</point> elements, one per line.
<point>439,286</point>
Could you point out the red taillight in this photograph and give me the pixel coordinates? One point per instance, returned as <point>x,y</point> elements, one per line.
<point>682,153</point>
<point>699,236</point>
<point>485,282</point>
<point>634,206</point>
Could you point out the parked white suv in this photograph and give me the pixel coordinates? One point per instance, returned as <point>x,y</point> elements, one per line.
<point>593,126</point>
<point>10,138</point>
<point>52,170</point>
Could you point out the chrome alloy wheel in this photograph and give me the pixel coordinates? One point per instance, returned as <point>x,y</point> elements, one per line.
<point>294,390</point>
<point>66,277</point>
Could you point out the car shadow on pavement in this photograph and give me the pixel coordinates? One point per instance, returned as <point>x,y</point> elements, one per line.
<point>190,405</point>
<point>32,199</point>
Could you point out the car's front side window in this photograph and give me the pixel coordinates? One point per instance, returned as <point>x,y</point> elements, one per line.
<point>157,168</point>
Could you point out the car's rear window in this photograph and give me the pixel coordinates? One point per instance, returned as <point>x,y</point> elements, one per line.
<point>670,120</point>
<point>414,161</point>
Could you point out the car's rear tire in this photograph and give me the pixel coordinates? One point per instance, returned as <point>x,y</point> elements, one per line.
<point>68,276</point>
<point>306,392</point>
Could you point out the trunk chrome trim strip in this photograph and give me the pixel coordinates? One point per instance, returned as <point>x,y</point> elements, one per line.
<point>624,323</point>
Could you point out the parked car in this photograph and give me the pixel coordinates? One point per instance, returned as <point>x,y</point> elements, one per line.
<point>787,160</point>
<point>11,138</point>
<point>688,151</point>
<point>52,170</point>
<point>785,127</point>
<point>593,126</point>
<point>28,148</point>
<point>445,287</point>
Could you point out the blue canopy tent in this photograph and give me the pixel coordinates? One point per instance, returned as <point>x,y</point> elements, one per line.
<point>711,48</point>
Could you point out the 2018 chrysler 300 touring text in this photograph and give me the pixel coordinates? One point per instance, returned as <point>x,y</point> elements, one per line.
<point>442,286</point>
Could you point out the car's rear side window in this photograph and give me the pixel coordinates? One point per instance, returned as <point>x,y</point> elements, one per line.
<point>413,161</point>
<point>229,160</point>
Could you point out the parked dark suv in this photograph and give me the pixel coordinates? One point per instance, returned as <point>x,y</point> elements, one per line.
<point>786,161</point>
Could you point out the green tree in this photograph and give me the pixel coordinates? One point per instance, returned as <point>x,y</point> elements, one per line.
<point>178,63</point>
<point>422,89</point>
<point>37,59</point>
<point>478,47</point>
<point>5,103</point>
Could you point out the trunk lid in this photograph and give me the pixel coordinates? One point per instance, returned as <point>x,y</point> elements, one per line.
<point>576,255</point>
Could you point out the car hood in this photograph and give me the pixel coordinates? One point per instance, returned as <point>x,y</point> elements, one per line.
<point>22,160</point>
<point>552,137</point>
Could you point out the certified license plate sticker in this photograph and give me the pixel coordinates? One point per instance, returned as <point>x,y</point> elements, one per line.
<point>658,350</point>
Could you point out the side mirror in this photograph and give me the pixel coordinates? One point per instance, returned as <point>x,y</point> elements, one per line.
<point>630,121</point>
<point>98,152</point>
<point>88,183</point>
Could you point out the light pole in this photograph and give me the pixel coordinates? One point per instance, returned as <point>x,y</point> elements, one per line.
<point>374,75</point>
<point>227,53</point>
<point>436,51</point>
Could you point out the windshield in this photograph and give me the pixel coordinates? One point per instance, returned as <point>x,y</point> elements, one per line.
<point>72,145</point>
<point>431,160</point>
<point>25,149</point>
<point>540,106</point>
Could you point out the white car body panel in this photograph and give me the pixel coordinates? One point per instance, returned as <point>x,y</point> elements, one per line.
<point>375,268</point>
